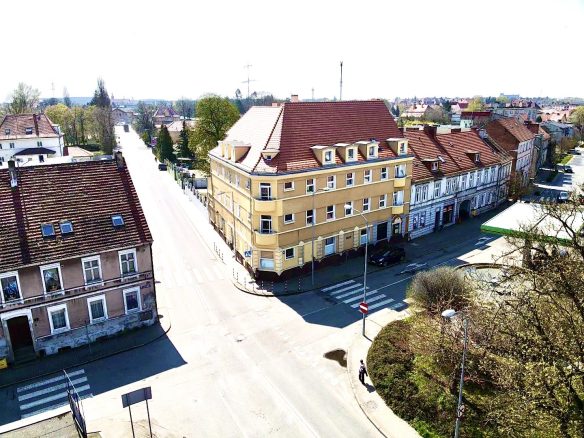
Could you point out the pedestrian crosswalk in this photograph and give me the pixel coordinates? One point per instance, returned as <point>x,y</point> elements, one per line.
<point>45,395</point>
<point>170,276</point>
<point>351,292</point>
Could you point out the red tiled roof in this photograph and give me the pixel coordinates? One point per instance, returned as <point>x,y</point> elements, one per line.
<point>75,192</point>
<point>453,149</point>
<point>301,125</point>
<point>17,123</point>
<point>509,132</point>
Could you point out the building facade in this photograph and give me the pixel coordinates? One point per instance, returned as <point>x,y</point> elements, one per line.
<point>75,260</point>
<point>456,175</point>
<point>29,138</point>
<point>122,116</point>
<point>164,115</point>
<point>292,177</point>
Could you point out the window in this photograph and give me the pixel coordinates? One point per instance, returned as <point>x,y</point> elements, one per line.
<point>289,218</point>
<point>471,179</point>
<point>51,275</point>
<point>288,185</point>
<point>310,185</point>
<point>329,245</point>
<point>0,145</point>
<point>398,198</point>
<point>247,184</point>
<point>58,318</point>
<point>237,209</point>
<point>48,230</point>
<point>28,131</point>
<point>437,188</point>
<point>11,145</point>
<point>66,227</point>
<point>289,253</point>
<point>366,204</point>
<point>309,217</point>
<point>330,212</point>
<point>477,158</point>
<point>117,220</point>
<point>351,154</point>
<point>367,176</point>
<point>331,181</point>
<point>39,144</point>
<point>91,269</point>
<point>266,224</point>
<point>400,171</point>
<point>363,236</point>
<point>449,186</point>
<point>493,173</point>
<point>479,177</point>
<point>349,208</point>
<point>7,131</point>
<point>463,182</point>
<point>97,309</point>
<point>350,179</point>
<point>132,300</point>
<point>383,174</point>
<point>402,149</point>
<point>10,285</point>
<point>371,153</point>
<point>328,156</point>
<point>382,201</point>
<point>434,166</point>
<point>128,262</point>
<point>265,191</point>
<point>421,193</point>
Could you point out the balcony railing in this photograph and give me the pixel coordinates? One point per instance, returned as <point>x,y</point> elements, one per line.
<point>85,289</point>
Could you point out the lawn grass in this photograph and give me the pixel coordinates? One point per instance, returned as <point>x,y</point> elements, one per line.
<point>566,159</point>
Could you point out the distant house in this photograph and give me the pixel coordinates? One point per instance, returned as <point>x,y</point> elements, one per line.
<point>76,152</point>
<point>514,137</point>
<point>122,116</point>
<point>558,130</point>
<point>165,115</point>
<point>75,259</point>
<point>175,128</point>
<point>477,118</point>
<point>29,138</point>
<point>416,111</point>
<point>541,144</point>
<point>523,110</point>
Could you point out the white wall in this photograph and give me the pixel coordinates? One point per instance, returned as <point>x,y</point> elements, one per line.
<point>53,143</point>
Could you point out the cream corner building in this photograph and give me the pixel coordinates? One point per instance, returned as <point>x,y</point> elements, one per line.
<point>295,176</point>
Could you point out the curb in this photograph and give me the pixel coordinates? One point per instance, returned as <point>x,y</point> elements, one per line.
<point>95,359</point>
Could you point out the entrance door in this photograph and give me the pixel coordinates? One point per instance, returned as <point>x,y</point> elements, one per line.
<point>19,330</point>
<point>437,220</point>
<point>382,231</point>
<point>396,229</point>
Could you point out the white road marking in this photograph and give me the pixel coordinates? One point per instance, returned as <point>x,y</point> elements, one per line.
<point>369,294</point>
<point>48,381</point>
<point>326,289</point>
<point>50,389</point>
<point>369,300</point>
<point>381,303</point>
<point>51,398</point>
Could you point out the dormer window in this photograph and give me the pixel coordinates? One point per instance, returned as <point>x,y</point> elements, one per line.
<point>402,150</point>
<point>351,156</point>
<point>48,230</point>
<point>371,153</point>
<point>7,131</point>
<point>328,157</point>
<point>435,166</point>
<point>117,220</point>
<point>268,158</point>
<point>28,131</point>
<point>477,158</point>
<point>66,227</point>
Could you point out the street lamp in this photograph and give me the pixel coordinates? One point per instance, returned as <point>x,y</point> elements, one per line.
<point>347,206</point>
<point>324,189</point>
<point>450,314</point>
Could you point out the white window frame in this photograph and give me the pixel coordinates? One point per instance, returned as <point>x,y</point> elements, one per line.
<point>124,252</point>
<point>328,159</point>
<point>396,198</point>
<point>351,178</point>
<point>371,152</point>
<point>310,185</point>
<point>57,308</point>
<point>7,275</point>
<point>398,169</point>
<point>330,248</point>
<point>383,201</point>
<point>366,204</point>
<point>350,213</point>
<point>437,189</point>
<point>434,166</point>
<point>293,253</point>
<point>327,213</point>
<point>268,187</point>
<point>51,266</point>
<point>367,176</point>
<point>363,236</point>
<point>384,174</point>
<point>331,184</point>
<point>291,221</point>
<point>353,151</point>
<point>128,291</point>
<point>291,188</point>
<point>312,216</point>
<point>90,300</point>
<point>91,259</point>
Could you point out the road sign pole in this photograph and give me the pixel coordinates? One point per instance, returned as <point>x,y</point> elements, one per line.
<point>131,422</point>
<point>148,412</point>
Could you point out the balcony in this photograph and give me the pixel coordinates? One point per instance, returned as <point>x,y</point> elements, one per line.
<point>397,209</point>
<point>268,206</point>
<point>399,182</point>
<point>266,239</point>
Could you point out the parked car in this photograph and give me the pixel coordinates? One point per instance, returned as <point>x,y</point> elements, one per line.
<point>568,169</point>
<point>387,256</point>
<point>563,196</point>
<point>574,152</point>
<point>161,166</point>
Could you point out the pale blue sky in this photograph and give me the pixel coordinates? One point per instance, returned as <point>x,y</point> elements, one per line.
<point>170,49</point>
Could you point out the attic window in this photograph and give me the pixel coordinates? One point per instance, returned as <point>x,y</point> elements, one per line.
<point>117,220</point>
<point>268,157</point>
<point>7,131</point>
<point>28,131</point>
<point>434,166</point>
<point>402,149</point>
<point>48,230</point>
<point>477,158</point>
<point>350,154</point>
<point>66,227</point>
<point>328,156</point>
<point>371,152</point>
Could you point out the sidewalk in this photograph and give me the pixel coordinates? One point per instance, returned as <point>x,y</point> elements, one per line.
<point>372,405</point>
<point>47,365</point>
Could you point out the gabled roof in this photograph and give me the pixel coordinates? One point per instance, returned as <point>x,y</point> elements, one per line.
<point>18,124</point>
<point>165,111</point>
<point>34,151</point>
<point>509,132</point>
<point>452,150</point>
<point>293,128</point>
<point>75,192</point>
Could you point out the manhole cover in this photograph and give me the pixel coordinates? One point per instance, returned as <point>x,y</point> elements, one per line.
<point>339,356</point>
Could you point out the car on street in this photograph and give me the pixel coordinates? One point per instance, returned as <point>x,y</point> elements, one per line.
<point>387,256</point>
<point>161,166</point>
<point>563,196</point>
<point>574,152</point>
<point>568,169</point>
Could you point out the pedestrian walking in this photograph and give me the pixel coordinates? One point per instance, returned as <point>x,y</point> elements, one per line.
<point>362,372</point>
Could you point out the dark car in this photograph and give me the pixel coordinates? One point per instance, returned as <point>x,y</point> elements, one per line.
<point>387,256</point>
<point>161,166</point>
<point>568,169</point>
<point>574,152</point>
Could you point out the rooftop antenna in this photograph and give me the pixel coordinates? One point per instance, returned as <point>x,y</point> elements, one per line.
<point>341,91</point>
<point>313,93</point>
<point>248,66</point>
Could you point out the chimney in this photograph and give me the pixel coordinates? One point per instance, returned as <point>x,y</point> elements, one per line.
<point>294,98</point>
<point>36,124</point>
<point>12,172</point>
<point>482,133</point>
<point>431,131</point>
<point>120,161</point>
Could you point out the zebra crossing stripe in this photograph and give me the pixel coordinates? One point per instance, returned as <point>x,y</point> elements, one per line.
<point>396,305</point>
<point>381,303</point>
<point>54,388</point>
<point>340,291</point>
<point>358,297</point>
<point>348,294</point>
<point>55,397</point>
<point>48,381</point>
<point>334,286</point>
<point>369,300</point>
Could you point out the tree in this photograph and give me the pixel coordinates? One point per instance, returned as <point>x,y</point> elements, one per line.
<point>447,105</point>
<point>476,104</point>
<point>185,108</point>
<point>24,99</point>
<point>440,289</point>
<point>215,116</point>
<point>538,119</point>
<point>517,187</point>
<point>101,97</point>
<point>103,118</point>
<point>66,98</point>
<point>164,145</point>
<point>62,116</point>
<point>502,100</point>
<point>144,122</point>
<point>577,117</point>
<point>184,150</point>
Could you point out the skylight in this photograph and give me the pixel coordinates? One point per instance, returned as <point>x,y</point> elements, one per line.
<point>28,131</point>
<point>117,220</point>
<point>66,227</point>
<point>48,230</point>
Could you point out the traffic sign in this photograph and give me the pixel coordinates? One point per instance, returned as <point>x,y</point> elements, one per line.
<point>364,307</point>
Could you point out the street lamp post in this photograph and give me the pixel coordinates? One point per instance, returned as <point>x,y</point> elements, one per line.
<point>365,267</point>
<point>450,313</point>
<point>324,189</point>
